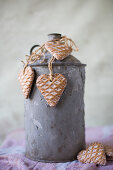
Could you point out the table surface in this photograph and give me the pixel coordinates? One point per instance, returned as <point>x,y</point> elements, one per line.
<point>12,152</point>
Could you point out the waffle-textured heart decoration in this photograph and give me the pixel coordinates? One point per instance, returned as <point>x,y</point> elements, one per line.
<point>26,79</point>
<point>108,150</point>
<point>93,154</point>
<point>58,49</point>
<point>51,90</point>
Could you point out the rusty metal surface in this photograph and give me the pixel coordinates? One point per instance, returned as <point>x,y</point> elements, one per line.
<point>56,133</point>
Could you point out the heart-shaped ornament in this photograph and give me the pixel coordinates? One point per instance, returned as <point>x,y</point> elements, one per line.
<point>51,90</point>
<point>26,79</point>
<point>93,154</point>
<point>58,49</point>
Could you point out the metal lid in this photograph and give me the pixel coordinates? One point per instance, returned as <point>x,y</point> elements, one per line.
<point>54,36</point>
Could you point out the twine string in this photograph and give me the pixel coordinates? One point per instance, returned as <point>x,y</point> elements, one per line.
<point>36,55</point>
<point>50,67</point>
<point>69,42</point>
<point>40,52</point>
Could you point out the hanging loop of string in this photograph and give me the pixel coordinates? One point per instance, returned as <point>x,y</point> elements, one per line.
<point>69,42</point>
<point>36,55</point>
<point>25,65</point>
<point>50,67</point>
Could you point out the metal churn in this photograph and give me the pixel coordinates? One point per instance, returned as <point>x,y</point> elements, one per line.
<point>56,134</point>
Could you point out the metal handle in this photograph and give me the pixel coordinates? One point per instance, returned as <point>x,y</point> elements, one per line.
<point>32,48</point>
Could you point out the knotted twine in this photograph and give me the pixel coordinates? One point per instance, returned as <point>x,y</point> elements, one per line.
<point>40,52</point>
<point>36,55</point>
<point>68,42</point>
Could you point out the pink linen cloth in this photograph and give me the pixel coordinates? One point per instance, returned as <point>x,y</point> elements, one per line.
<point>12,153</point>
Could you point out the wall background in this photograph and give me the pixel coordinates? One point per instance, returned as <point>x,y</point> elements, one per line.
<point>25,23</point>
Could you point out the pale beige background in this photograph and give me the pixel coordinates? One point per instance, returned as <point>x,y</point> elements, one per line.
<point>89,23</point>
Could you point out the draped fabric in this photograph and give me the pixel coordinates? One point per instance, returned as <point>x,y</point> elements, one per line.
<point>13,148</point>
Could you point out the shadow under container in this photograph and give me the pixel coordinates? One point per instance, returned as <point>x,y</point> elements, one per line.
<point>56,134</point>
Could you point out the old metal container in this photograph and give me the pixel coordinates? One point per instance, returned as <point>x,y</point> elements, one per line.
<point>56,134</point>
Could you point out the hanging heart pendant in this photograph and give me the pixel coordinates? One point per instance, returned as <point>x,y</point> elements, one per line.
<point>58,49</point>
<point>93,154</point>
<point>26,80</point>
<point>51,90</point>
